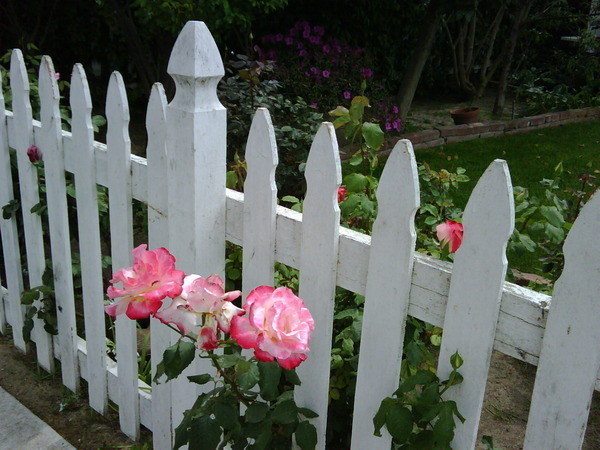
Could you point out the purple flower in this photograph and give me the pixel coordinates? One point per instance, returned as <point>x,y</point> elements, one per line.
<point>315,104</point>
<point>314,70</point>
<point>395,109</point>
<point>314,39</point>
<point>306,33</point>
<point>33,153</point>
<point>289,41</point>
<point>388,126</point>
<point>319,31</point>
<point>278,37</point>
<point>326,74</point>
<point>326,48</point>
<point>366,73</point>
<point>302,53</point>
<point>347,95</point>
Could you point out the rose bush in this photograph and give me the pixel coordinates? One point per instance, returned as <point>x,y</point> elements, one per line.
<point>278,327</point>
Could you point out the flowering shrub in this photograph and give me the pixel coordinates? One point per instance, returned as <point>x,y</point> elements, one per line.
<point>307,60</point>
<point>278,328</point>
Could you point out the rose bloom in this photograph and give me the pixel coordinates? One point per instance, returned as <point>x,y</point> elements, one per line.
<point>151,278</point>
<point>342,194</point>
<point>33,153</point>
<point>450,234</point>
<point>203,308</point>
<point>278,326</point>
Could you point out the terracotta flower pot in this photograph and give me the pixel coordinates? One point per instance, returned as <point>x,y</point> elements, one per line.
<point>465,115</point>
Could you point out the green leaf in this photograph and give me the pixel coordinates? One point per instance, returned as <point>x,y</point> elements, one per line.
<point>356,159</point>
<point>270,374</point>
<point>256,412</point>
<point>291,199</point>
<point>454,379</point>
<point>355,182</point>
<point>339,111</point>
<point>10,208</point>
<point>285,412</point>
<point>246,374</point>
<point>308,413</point>
<point>341,121</point>
<point>399,422</point>
<point>422,377</point>
<point>381,415</point>
<point>226,414</point>
<point>204,434</point>
<point>373,135</point>
<point>443,430</point>
<point>231,179</point>
<point>414,354</point>
<point>306,435</point>
<point>292,377</point>
<point>177,357</point>
<point>552,215</point>
<point>456,361</point>
<point>28,297</point>
<point>200,379</point>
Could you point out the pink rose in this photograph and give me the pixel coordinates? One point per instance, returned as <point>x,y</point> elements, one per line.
<point>450,234</point>
<point>342,194</point>
<point>203,308</point>
<point>151,278</point>
<point>278,326</point>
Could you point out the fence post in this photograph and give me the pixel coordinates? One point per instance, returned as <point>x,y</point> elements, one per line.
<point>196,153</point>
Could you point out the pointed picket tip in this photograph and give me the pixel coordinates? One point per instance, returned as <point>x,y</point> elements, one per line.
<point>80,98</point>
<point>400,173</point>
<point>47,79</point>
<point>490,207</point>
<point>157,105</point>
<point>323,163</point>
<point>583,236</point>
<point>18,73</point>
<point>116,98</point>
<point>261,149</point>
<point>195,53</point>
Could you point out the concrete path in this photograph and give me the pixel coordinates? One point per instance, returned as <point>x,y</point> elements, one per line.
<point>20,429</point>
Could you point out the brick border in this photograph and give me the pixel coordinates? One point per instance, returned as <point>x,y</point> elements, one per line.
<point>449,134</point>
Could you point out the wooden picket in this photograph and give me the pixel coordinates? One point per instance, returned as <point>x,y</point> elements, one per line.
<point>121,237</point>
<point>190,212</point>
<point>158,236</point>
<point>260,207</point>
<point>474,297</point>
<point>570,361</point>
<point>387,293</point>
<point>90,254</point>
<point>11,305</point>
<point>28,181</point>
<point>318,262</point>
<point>50,140</point>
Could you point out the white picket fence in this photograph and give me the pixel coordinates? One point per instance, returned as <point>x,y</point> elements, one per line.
<point>192,213</point>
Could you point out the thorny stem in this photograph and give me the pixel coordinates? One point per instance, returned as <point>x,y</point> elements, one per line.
<point>231,382</point>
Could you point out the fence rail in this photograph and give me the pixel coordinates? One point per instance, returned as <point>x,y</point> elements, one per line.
<point>186,141</point>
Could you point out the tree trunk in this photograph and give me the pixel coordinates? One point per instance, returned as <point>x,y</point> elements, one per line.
<point>509,52</point>
<point>413,72</point>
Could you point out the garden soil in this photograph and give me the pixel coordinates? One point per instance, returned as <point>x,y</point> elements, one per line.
<point>504,413</point>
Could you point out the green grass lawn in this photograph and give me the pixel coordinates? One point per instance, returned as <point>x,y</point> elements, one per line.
<point>531,157</point>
